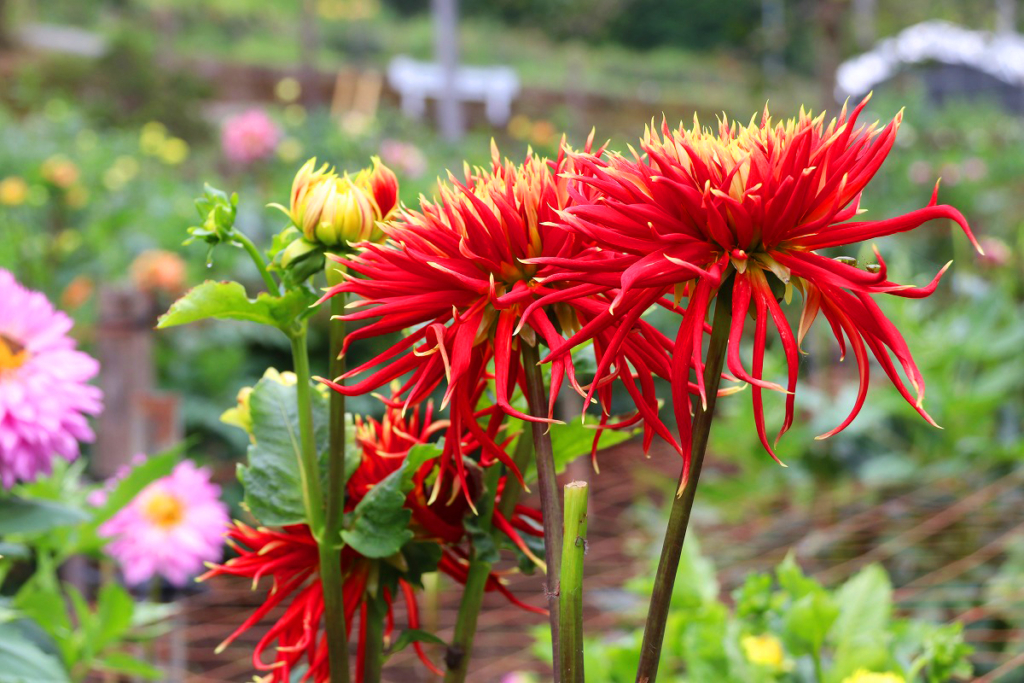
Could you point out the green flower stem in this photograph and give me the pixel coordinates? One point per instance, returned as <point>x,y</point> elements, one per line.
<point>461,647</point>
<point>257,258</point>
<point>330,545</point>
<point>819,671</point>
<point>374,652</point>
<point>550,506</point>
<point>679,519</point>
<point>570,587</point>
<point>312,496</point>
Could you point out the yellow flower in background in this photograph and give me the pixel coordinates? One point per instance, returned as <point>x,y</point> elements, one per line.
<point>60,171</point>
<point>294,115</point>
<point>173,151</point>
<point>542,133</point>
<point>76,197</point>
<point>13,191</point>
<point>124,169</point>
<point>288,89</point>
<point>520,127</point>
<point>152,138</point>
<point>865,676</point>
<point>290,150</point>
<point>766,651</point>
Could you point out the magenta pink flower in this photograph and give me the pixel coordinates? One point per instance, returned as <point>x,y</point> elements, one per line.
<point>249,137</point>
<point>44,398</point>
<point>171,528</point>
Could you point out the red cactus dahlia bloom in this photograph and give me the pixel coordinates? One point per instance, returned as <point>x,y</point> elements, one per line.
<point>289,556</point>
<point>754,203</point>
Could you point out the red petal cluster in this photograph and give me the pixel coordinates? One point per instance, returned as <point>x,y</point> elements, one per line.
<point>289,556</point>
<point>748,206</point>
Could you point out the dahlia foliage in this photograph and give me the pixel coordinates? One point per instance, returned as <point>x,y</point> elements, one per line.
<point>568,254</point>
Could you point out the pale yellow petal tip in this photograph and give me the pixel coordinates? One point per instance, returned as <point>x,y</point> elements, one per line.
<point>220,648</point>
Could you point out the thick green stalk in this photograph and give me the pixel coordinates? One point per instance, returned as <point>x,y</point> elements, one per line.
<point>257,258</point>
<point>330,545</point>
<point>570,588</point>
<point>312,496</point>
<point>461,646</point>
<point>550,506</point>
<point>679,519</point>
<point>374,652</point>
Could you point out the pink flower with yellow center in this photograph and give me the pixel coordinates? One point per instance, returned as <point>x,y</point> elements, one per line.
<point>748,208</point>
<point>170,529</point>
<point>44,396</point>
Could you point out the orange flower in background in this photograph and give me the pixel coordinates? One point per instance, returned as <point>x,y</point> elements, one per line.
<point>749,207</point>
<point>60,171</point>
<point>157,270</point>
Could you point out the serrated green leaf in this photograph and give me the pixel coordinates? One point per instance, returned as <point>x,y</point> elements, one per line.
<point>273,487</point>
<point>22,661</point>
<point>380,520</point>
<point>228,300</point>
<point>29,516</point>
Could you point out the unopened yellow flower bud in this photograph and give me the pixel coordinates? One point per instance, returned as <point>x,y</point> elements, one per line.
<point>347,215</point>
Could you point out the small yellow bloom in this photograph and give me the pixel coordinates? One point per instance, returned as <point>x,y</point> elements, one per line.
<point>76,197</point>
<point>152,138</point>
<point>288,89</point>
<point>13,191</point>
<point>765,650</point>
<point>865,676</point>
<point>174,151</point>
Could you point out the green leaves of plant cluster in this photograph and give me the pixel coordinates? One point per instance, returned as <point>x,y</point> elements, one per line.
<point>273,488</point>
<point>380,522</point>
<point>850,628</point>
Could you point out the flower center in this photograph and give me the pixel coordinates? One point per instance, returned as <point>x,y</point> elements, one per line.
<point>12,354</point>
<point>163,509</point>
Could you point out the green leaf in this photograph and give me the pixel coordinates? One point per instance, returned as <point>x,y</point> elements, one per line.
<point>380,521</point>
<point>865,605</point>
<point>121,662</point>
<point>22,661</point>
<point>793,580</point>
<point>571,440</point>
<point>273,487</point>
<point>114,608</point>
<point>25,516</point>
<point>14,551</point>
<point>414,635</point>
<point>228,300</point>
<point>484,547</point>
<point>807,622</point>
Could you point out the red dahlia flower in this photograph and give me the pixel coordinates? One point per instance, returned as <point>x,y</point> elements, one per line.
<point>463,274</point>
<point>289,556</point>
<point>754,203</point>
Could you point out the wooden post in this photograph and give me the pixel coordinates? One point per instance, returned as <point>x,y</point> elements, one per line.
<point>446,51</point>
<point>125,349</point>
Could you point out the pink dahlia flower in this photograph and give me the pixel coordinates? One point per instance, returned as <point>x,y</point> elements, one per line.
<point>44,397</point>
<point>171,528</point>
<point>249,137</point>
